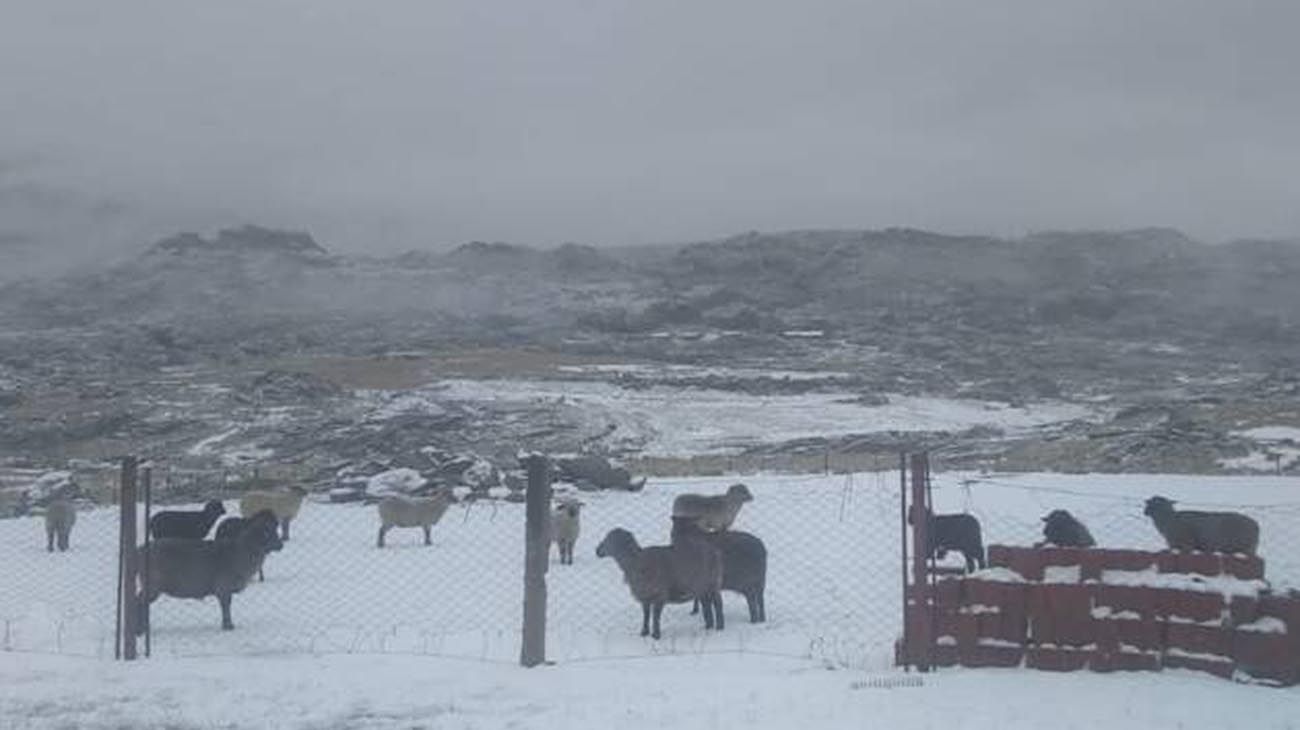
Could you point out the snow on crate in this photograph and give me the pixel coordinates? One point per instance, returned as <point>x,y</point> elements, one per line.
<point>1222,584</point>
<point>1264,625</point>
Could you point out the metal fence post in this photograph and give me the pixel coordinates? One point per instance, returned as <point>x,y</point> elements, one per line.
<point>147,483</point>
<point>920,562</point>
<point>532,652</point>
<point>905,653</point>
<point>126,606</point>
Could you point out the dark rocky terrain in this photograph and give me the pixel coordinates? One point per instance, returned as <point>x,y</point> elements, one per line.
<point>1181,345</point>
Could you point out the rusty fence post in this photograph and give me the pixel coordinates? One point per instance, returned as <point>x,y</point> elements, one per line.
<point>904,653</point>
<point>128,616</point>
<point>532,651</point>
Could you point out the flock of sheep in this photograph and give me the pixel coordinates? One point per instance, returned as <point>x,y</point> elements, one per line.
<point>1217,532</point>
<point>704,556</point>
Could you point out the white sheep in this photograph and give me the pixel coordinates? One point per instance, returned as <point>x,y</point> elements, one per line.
<point>422,512</point>
<point>714,512</point>
<point>566,523</point>
<point>60,516</point>
<point>284,504</point>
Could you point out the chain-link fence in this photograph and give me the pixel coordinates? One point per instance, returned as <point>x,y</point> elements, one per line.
<point>833,587</point>
<point>1010,509</point>
<point>59,602</point>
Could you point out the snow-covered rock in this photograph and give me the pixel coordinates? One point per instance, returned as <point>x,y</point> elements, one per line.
<point>395,481</point>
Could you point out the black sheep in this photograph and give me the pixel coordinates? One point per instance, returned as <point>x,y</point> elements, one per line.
<point>744,562</point>
<point>1060,528</point>
<point>230,528</point>
<point>954,532</point>
<point>186,524</point>
<point>200,568</point>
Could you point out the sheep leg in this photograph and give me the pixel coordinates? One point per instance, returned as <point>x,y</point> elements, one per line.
<point>382,529</point>
<point>658,610</point>
<point>226,623</point>
<point>284,529</point>
<point>63,541</point>
<point>695,606</point>
<point>427,541</point>
<point>751,601</point>
<point>49,535</point>
<point>707,602</point>
<point>645,618</point>
<point>762,606</point>
<point>718,621</point>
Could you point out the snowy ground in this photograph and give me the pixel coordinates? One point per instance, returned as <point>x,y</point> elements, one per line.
<point>684,693</point>
<point>325,642</point>
<point>674,421</point>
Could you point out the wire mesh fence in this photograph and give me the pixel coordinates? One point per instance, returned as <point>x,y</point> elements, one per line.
<point>1010,509</point>
<point>331,589</point>
<point>59,602</point>
<point>833,588</point>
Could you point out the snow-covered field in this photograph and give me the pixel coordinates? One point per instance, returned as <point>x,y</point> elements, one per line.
<point>833,585</point>
<point>673,421</point>
<point>684,693</point>
<point>322,643</point>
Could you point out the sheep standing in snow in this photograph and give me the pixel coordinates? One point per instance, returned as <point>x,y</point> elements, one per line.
<point>422,512</point>
<point>959,532</point>
<point>713,512</point>
<point>60,516</point>
<point>566,523</point>
<point>200,568</point>
<point>1216,532</point>
<point>186,524</point>
<point>231,527</point>
<point>1060,528</point>
<point>744,563</point>
<point>284,504</point>
<point>667,574</point>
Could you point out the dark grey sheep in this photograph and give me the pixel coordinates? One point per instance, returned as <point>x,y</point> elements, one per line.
<point>186,524</point>
<point>744,563</point>
<point>667,574</point>
<point>201,568</point>
<point>954,532</point>
<point>230,528</point>
<point>60,516</point>
<point>1060,528</point>
<point>1215,532</point>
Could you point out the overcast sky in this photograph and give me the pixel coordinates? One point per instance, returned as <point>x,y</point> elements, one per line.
<point>386,125</point>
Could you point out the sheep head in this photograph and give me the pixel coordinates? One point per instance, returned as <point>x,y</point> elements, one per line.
<point>264,529</point>
<point>1058,516</point>
<point>214,508</point>
<point>739,493</point>
<point>1158,507</point>
<point>617,542</point>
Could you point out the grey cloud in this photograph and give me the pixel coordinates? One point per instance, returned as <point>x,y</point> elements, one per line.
<point>399,124</point>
